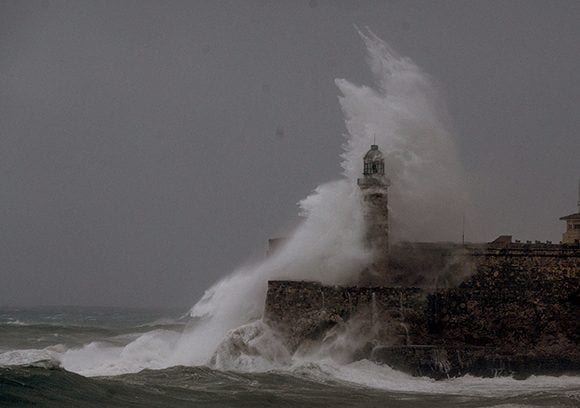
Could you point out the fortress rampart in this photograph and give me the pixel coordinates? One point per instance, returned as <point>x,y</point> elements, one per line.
<point>516,309</point>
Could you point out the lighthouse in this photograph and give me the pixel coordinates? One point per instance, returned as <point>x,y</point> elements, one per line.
<point>374,188</point>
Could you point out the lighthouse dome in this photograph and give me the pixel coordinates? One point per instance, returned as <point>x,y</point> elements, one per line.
<point>374,154</point>
<point>374,163</point>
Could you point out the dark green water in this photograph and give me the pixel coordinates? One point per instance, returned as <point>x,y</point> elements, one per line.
<point>93,334</point>
<point>203,387</point>
<point>39,327</point>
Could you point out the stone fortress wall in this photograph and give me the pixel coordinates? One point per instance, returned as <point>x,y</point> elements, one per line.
<point>516,309</point>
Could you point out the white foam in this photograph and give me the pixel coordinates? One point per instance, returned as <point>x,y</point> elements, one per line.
<point>27,356</point>
<point>150,350</point>
<point>98,358</point>
<point>370,374</point>
<point>16,323</point>
<point>252,347</point>
<point>326,247</point>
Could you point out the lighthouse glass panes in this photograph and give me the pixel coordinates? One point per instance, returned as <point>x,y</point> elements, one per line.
<point>368,168</point>
<point>374,166</point>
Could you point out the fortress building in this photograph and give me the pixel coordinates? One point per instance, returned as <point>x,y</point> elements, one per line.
<point>572,234</point>
<point>374,185</point>
<point>443,309</point>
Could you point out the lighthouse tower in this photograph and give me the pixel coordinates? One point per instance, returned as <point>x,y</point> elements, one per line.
<point>374,185</point>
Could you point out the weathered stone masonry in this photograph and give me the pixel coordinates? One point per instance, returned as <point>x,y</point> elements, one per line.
<point>305,310</point>
<point>519,312</point>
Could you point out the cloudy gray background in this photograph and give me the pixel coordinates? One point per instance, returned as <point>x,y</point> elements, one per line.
<point>146,148</point>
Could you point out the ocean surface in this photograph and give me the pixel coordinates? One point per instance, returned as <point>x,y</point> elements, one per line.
<point>57,357</point>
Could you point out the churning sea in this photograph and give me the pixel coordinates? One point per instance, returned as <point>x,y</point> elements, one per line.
<point>41,348</point>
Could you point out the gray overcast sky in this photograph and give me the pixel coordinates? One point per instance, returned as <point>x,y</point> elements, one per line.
<point>146,148</point>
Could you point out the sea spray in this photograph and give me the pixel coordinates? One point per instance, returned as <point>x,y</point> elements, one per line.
<point>252,347</point>
<point>403,114</point>
<point>326,247</point>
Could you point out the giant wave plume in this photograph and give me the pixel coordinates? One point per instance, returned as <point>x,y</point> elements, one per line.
<point>404,114</point>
